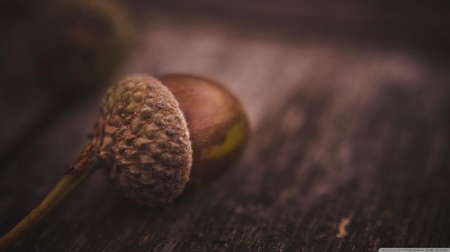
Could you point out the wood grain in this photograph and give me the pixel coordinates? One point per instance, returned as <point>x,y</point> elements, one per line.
<point>349,152</point>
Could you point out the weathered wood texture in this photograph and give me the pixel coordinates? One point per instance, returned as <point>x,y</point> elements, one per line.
<point>349,152</point>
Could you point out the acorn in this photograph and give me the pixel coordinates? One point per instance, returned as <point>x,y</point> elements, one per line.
<point>154,137</point>
<point>77,45</point>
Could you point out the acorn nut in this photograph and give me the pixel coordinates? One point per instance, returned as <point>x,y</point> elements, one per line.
<point>154,137</point>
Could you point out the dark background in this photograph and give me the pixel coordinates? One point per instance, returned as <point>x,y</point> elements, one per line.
<point>349,103</point>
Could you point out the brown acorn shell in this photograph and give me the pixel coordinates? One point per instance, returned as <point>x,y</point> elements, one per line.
<point>143,137</point>
<point>211,112</point>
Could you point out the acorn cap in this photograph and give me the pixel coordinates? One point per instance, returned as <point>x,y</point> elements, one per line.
<point>143,136</point>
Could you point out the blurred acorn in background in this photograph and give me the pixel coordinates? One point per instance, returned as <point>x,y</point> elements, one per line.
<point>78,45</point>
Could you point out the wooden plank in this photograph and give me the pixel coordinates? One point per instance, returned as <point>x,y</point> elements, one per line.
<point>403,24</point>
<point>349,153</point>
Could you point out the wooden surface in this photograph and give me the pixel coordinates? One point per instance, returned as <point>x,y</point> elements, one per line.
<point>349,152</point>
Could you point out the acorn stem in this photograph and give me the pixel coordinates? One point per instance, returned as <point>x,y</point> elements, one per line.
<point>66,184</point>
